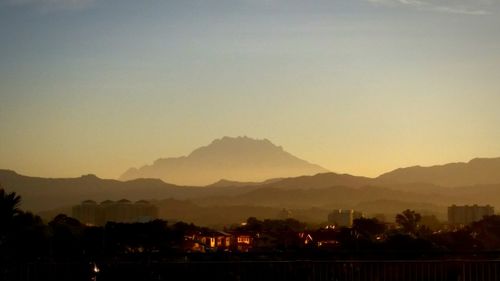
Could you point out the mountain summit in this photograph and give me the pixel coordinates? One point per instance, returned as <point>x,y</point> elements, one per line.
<point>240,158</point>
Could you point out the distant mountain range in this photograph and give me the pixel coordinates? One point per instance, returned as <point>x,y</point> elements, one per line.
<point>478,171</point>
<point>475,172</point>
<point>243,161</point>
<point>309,193</point>
<point>238,159</point>
<point>308,196</point>
<point>324,191</point>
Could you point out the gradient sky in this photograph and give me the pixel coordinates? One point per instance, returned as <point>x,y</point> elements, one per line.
<point>357,86</point>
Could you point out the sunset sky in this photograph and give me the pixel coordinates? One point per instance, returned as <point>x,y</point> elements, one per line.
<point>356,86</point>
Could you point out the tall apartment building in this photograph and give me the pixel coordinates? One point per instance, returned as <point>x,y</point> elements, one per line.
<point>467,214</point>
<point>91,213</point>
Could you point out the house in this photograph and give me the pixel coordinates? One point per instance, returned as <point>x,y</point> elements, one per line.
<point>243,241</point>
<point>214,240</point>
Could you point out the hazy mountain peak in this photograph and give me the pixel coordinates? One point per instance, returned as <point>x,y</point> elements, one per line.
<point>236,144</point>
<point>239,158</point>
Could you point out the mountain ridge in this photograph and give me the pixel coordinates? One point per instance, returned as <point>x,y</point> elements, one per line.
<point>478,171</point>
<point>241,159</point>
<point>474,182</point>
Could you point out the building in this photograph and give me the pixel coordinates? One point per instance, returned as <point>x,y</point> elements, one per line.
<point>91,213</point>
<point>88,212</point>
<point>244,241</point>
<point>343,217</point>
<point>463,215</point>
<point>215,239</point>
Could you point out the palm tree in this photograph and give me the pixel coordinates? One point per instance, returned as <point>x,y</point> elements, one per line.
<point>9,206</point>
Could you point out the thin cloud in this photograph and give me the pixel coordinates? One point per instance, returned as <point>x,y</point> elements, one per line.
<point>468,7</point>
<point>460,10</point>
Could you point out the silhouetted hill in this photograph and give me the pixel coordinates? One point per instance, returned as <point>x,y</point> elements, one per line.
<point>242,159</point>
<point>321,181</point>
<point>322,191</point>
<point>48,193</point>
<point>229,183</point>
<point>330,197</point>
<point>480,171</point>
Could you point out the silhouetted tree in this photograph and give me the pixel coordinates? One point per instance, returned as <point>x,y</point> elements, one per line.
<point>253,225</point>
<point>29,237</point>
<point>409,221</point>
<point>408,246</point>
<point>140,238</point>
<point>347,238</point>
<point>66,237</point>
<point>486,232</point>
<point>23,236</point>
<point>9,206</point>
<point>93,241</point>
<point>460,241</point>
<point>368,228</point>
<point>431,222</point>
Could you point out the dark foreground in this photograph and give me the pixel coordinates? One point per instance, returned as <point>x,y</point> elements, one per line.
<point>456,270</point>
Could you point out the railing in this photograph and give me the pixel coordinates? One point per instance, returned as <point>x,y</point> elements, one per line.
<point>439,270</point>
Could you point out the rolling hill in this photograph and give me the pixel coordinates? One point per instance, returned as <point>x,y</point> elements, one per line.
<point>479,171</point>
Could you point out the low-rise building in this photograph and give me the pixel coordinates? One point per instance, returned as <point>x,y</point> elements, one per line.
<point>244,241</point>
<point>215,239</point>
<point>209,240</point>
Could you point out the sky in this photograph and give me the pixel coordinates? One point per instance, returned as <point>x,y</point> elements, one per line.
<point>356,86</point>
